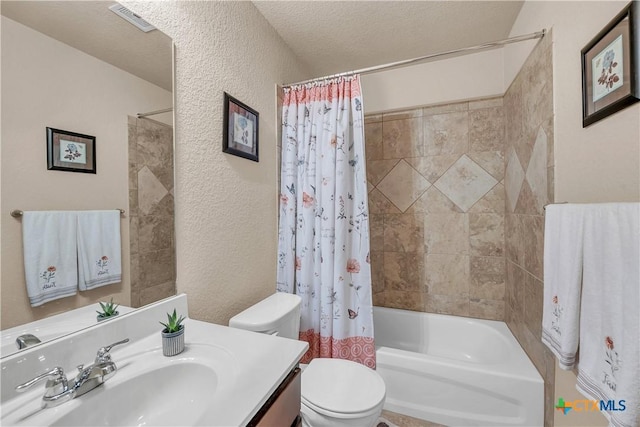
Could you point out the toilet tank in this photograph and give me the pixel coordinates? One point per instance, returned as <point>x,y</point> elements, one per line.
<point>278,314</point>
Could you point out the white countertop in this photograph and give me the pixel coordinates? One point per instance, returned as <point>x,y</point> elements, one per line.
<point>248,366</point>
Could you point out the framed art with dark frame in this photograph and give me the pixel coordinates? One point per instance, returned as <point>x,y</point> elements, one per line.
<point>70,151</point>
<point>611,67</point>
<point>240,131</point>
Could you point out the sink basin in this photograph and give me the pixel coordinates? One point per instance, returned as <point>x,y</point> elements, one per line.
<point>223,377</point>
<point>148,389</point>
<point>175,394</point>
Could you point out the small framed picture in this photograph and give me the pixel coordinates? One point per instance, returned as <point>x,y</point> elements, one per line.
<point>240,131</point>
<point>611,67</point>
<point>70,151</point>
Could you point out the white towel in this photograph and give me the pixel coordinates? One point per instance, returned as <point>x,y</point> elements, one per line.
<point>609,365</point>
<point>99,252</point>
<point>562,281</point>
<point>50,255</point>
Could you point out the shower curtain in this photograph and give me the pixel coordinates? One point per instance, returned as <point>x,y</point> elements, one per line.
<point>323,248</point>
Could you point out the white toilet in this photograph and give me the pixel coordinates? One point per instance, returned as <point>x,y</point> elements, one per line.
<point>335,392</point>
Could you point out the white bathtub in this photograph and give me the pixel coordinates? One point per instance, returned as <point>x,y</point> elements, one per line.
<point>456,371</point>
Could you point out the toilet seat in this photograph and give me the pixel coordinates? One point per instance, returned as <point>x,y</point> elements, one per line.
<point>341,388</point>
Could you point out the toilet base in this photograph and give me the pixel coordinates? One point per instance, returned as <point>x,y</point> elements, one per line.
<point>311,418</point>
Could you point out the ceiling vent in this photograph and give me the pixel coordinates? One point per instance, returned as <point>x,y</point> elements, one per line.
<point>134,19</point>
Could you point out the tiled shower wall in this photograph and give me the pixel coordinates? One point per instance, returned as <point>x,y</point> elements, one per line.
<point>151,206</point>
<point>529,179</point>
<point>436,202</point>
<point>456,200</point>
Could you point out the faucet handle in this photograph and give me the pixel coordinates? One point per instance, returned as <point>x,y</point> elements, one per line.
<point>103,352</point>
<point>56,376</point>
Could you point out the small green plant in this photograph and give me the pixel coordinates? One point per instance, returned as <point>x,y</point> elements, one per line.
<point>174,323</point>
<point>108,309</point>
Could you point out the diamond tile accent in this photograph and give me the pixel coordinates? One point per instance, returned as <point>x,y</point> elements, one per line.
<point>150,190</point>
<point>537,170</point>
<point>378,169</point>
<point>513,177</point>
<point>403,185</point>
<point>465,183</point>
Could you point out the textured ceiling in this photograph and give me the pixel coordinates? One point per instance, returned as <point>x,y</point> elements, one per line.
<point>91,27</point>
<point>337,36</point>
<point>328,36</point>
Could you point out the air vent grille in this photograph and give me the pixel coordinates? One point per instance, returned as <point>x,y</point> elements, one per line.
<point>134,19</point>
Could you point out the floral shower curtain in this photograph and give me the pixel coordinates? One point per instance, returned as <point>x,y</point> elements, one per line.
<point>323,249</point>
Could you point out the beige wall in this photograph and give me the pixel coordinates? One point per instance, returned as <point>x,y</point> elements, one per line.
<point>477,75</point>
<point>47,83</point>
<point>600,163</point>
<point>226,226</point>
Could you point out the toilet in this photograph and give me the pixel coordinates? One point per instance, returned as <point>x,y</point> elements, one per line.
<point>335,392</point>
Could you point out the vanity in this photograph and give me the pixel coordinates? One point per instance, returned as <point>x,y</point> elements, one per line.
<point>224,377</point>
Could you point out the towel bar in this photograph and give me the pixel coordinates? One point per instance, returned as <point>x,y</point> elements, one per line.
<point>18,213</point>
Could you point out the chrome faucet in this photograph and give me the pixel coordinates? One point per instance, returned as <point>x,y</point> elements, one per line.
<point>26,340</point>
<point>58,389</point>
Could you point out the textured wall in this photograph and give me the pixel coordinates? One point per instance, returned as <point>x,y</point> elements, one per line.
<point>449,80</point>
<point>528,105</point>
<point>151,211</point>
<point>226,226</point>
<point>47,83</point>
<point>437,208</point>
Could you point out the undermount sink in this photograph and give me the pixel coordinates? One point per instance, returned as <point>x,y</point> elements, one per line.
<point>175,394</point>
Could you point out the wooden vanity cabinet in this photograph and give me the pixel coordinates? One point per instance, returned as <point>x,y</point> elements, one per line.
<point>282,409</point>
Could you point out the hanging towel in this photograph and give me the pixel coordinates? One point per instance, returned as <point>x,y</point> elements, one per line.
<point>50,255</point>
<point>562,281</point>
<point>609,365</point>
<point>99,253</point>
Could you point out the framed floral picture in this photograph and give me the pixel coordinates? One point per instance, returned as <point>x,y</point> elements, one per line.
<point>70,151</point>
<point>240,131</point>
<point>611,67</point>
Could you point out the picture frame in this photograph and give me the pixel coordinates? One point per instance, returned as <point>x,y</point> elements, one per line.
<point>611,67</point>
<point>70,151</point>
<point>240,130</point>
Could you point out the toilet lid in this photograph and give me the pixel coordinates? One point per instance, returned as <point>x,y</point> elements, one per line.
<point>341,386</point>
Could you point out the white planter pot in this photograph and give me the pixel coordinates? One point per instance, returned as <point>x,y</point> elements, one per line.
<point>101,318</point>
<point>173,342</point>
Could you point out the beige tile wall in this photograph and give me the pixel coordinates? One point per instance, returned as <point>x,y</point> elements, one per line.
<point>151,211</point>
<point>436,200</point>
<point>529,186</point>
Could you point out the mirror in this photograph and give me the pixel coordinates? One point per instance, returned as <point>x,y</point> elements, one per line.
<point>79,67</point>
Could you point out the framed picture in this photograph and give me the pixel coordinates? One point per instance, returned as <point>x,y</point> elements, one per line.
<point>70,151</point>
<point>611,67</point>
<point>240,131</point>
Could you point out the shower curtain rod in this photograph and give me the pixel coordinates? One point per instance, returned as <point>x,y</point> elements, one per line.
<point>536,35</point>
<point>153,113</point>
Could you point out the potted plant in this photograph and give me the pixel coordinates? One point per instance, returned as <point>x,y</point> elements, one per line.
<point>173,335</point>
<point>109,310</point>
